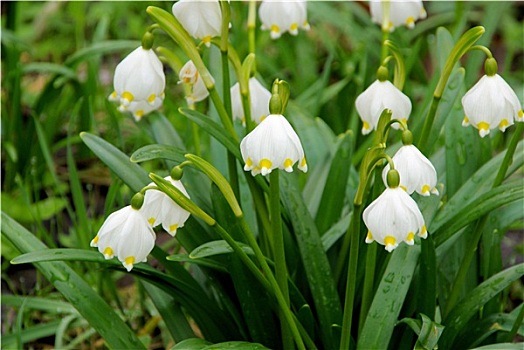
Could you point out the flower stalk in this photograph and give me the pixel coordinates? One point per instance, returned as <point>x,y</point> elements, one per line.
<point>462,46</point>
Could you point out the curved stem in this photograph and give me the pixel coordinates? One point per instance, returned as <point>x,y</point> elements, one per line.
<point>462,46</point>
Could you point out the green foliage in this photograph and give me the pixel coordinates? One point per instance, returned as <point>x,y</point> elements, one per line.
<point>70,159</point>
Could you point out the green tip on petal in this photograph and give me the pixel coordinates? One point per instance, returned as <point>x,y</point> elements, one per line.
<point>490,67</point>
<point>382,73</point>
<point>407,138</point>
<point>393,178</point>
<point>147,41</point>
<point>137,201</point>
<point>176,173</point>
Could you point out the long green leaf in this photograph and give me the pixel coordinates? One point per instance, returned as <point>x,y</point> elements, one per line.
<point>216,248</point>
<point>484,204</point>
<point>389,298</point>
<point>89,304</point>
<point>132,174</point>
<point>214,129</point>
<point>157,151</point>
<point>38,303</point>
<point>100,48</point>
<point>315,261</point>
<point>334,194</point>
<point>458,318</point>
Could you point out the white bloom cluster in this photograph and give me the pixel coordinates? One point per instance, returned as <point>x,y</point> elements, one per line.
<point>279,17</point>
<point>139,83</point>
<point>273,144</point>
<point>401,12</point>
<point>128,233</point>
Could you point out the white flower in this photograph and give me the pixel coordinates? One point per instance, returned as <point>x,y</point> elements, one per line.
<point>416,171</point>
<point>259,97</point>
<point>392,218</point>
<point>491,103</point>
<point>189,75</point>
<point>401,12</point>
<point>139,83</point>
<point>158,208</point>
<point>377,97</point>
<point>283,16</point>
<point>201,19</point>
<point>126,234</point>
<point>272,144</point>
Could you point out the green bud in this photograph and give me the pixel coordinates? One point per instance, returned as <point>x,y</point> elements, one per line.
<point>177,172</point>
<point>382,73</point>
<point>407,138</point>
<point>137,201</point>
<point>490,67</point>
<point>393,178</point>
<point>147,40</point>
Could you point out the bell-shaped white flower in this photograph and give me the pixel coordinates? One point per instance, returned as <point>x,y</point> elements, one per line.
<point>189,75</point>
<point>272,144</point>
<point>158,208</point>
<point>401,12</point>
<point>416,171</point>
<point>201,18</point>
<point>392,218</point>
<point>139,83</point>
<point>259,97</point>
<point>280,16</point>
<point>491,103</point>
<point>377,97</point>
<point>126,234</point>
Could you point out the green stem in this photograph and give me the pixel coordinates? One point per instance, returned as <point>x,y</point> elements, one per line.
<point>369,280</point>
<point>279,252</point>
<point>462,46</point>
<point>251,25</point>
<point>275,287</point>
<point>470,253</point>
<point>354,232</point>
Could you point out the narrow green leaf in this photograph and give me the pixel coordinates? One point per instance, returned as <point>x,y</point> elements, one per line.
<point>316,264</point>
<point>459,317</point>
<point>39,303</point>
<point>210,263</point>
<point>216,248</point>
<point>171,312</point>
<point>88,303</point>
<point>214,129</point>
<point>163,131</point>
<point>191,344</point>
<point>430,333</point>
<point>157,151</point>
<point>334,194</point>
<point>132,174</point>
<point>100,48</point>
<point>240,345</point>
<point>9,341</point>
<point>389,298</point>
<point>501,346</point>
<point>484,204</point>
<point>46,67</point>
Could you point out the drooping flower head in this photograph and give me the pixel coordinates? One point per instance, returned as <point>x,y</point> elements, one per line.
<point>127,235</point>
<point>491,102</point>
<point>189,75</point>
<point>201,18</point>
<point>273,144</point>
<point>280,16</point>
<point>159,209</point>
<point>416,171</point>
<point>393,217</point>
<point>401,12</point>
<point>259,98</point>
<point>139,83</point>
<point>381,94</point>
